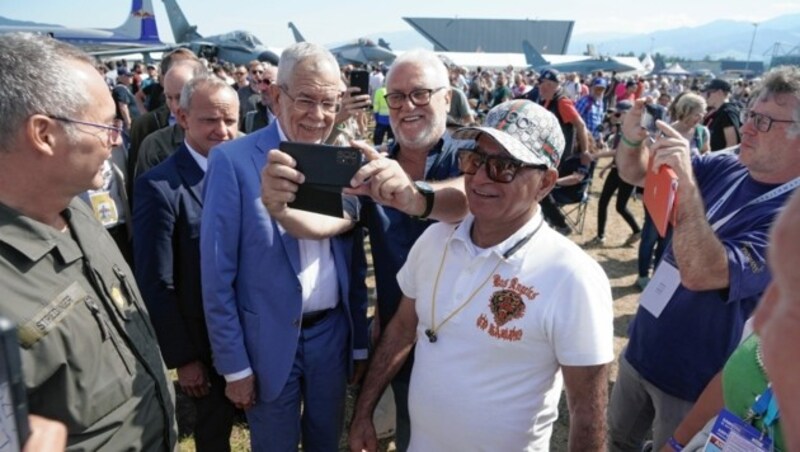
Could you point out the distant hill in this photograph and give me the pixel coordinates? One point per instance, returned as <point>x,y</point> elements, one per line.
<point>718,39</point>
<point>22,23</point>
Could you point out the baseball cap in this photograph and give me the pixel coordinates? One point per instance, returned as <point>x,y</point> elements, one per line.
<point>529,132</point>
<point>630,83</point>
<point>717,84</point>
<point>600,82</point>
<point>550,74</point>
<point>123,71</point>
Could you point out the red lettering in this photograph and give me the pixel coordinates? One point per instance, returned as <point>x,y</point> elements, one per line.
<point>497,281</point>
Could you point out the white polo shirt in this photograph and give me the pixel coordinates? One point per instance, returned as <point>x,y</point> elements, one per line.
<point>492,379</point>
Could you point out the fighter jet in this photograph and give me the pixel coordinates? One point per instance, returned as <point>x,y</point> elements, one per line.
<point>138,30</point>
<point>237,47</point>
<point>573,63</point>
<point>361,51</point>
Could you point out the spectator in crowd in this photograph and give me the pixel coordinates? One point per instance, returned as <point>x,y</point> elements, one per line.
<point>380,107</point>
<point>723,120</point>
<point>90,359</point>
<point>520,87</point>
<point>127,110</point>
<point>501,92</point>
<point>160,144</point>
<point>552,97</point>
<point>167,216</point>
<point>156,118</point>
<point>592,109</point>
<point>459,106</point>
<point>614,184</point>
<point>714,266</point>
<point>402,193</point>
<point>574,177</point>
<point>687,113</point>
<point>249,95</point>
<point>240,77</point>
<point>548,311</point>
<point>291,337</point>
<point>263,115</point>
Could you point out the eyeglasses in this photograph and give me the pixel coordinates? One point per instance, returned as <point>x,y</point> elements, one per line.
<point>265,81</point>
<point>112,133</point>
<point>255,72</point>
<point>763,122</point>
<point>498,168</point>
<point>418,97</point>
<point>240,73</point>
<point>307,105</point>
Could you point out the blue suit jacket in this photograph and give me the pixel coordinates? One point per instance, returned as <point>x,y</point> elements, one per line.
<point>166,218</point>
<point>251,292</point>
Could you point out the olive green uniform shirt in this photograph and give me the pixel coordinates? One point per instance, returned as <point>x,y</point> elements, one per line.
<point>89,353</point>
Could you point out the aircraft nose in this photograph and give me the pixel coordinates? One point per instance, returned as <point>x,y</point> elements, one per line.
<point>269,57</point>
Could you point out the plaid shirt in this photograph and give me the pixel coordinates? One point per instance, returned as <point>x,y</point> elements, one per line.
<point>592,112</point>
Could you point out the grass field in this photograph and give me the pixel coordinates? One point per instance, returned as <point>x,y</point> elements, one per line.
<point>619,263</point>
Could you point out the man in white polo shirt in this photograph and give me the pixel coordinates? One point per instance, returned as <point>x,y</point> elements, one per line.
<point>501,307</point>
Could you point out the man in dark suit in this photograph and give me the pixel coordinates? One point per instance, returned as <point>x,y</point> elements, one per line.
<point>153,120</point>
<point>263,115</point>
<point>166,217</point>
<point>286,316</point>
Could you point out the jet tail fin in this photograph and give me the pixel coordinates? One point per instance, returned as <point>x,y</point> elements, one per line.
<point>182,31</point>
<point>297,36</point>
<point>532,57</point>
<point>141,23</point>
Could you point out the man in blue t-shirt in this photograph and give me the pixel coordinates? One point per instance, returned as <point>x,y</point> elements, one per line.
<point>713,273</point>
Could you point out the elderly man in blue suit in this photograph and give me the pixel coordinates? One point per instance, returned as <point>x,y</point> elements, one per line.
<point>166,217</point>
<point>286,316</point>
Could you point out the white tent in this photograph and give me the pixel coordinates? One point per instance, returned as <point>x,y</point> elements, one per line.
<point>674,69</point>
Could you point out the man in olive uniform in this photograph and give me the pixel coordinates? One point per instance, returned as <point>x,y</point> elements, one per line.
<point>89,354</point>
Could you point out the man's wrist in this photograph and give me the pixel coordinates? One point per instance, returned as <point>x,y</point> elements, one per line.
<point>426,194</point>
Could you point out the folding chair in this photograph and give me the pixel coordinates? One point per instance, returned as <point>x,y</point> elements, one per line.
<point>575,212</point>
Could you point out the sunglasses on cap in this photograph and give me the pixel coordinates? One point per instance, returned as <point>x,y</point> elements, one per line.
<point>498,168</point>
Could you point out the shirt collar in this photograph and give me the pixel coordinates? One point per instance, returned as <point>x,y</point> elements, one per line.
<point>201,160</point>
<point>462,235</point>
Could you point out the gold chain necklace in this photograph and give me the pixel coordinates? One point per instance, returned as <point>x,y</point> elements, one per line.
<point>433,330</point>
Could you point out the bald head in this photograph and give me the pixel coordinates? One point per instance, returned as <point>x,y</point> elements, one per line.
<point>179,74</point>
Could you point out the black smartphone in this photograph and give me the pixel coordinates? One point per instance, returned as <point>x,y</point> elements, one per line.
<point>360,78</point>
<point>322,164</point>
<point>14,428</point>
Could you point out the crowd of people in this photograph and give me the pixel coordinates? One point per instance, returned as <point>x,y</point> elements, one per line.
<point>147,224</point>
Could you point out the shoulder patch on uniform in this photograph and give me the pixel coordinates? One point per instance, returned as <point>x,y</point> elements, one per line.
<point>47,317</point>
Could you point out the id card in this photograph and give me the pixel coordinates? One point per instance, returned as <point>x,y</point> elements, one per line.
<point>660,289</point>
<point>731,434</point>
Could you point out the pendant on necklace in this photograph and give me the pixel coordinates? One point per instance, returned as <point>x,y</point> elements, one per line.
<point>432,337</point>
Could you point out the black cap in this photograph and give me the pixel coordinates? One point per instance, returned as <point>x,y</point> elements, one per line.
<point>717,84</point>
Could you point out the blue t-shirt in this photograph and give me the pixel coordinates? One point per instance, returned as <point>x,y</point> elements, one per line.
<point>392,233</point>
<point>689,343</point>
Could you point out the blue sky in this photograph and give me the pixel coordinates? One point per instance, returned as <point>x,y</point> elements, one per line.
<point>326,21</point>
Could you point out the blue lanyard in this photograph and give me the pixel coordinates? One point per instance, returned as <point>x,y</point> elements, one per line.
<point>766,408</point>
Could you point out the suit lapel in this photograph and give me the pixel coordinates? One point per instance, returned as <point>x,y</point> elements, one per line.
<point>190,173</point>
<point>268,139</point>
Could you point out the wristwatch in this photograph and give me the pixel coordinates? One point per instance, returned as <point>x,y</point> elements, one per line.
<point>427,191</point>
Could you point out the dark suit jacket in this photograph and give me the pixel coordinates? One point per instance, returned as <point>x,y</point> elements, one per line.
<point>142,127</point>
<point>157,147</point>
<point>166,218</point>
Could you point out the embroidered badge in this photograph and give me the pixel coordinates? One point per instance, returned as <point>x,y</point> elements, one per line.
<point>506,305</point>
